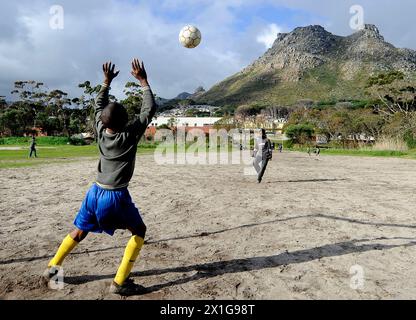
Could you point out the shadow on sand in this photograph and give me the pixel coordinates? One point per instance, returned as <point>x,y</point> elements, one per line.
<point>206,234</point>
<point>218,268</point>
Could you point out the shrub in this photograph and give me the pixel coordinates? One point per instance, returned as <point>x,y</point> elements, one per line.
<point>410,140</point>
<point>76,141</point>
<point>390,144</point>
<point>300,133</point>
<point>287,144</point>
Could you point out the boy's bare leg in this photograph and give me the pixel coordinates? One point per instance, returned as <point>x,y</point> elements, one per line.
<point>78,235</point>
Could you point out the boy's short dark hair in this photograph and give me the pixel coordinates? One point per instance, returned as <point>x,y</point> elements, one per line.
<point>114,116</point>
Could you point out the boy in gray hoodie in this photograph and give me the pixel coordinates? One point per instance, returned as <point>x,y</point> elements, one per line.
<point>108,205</point>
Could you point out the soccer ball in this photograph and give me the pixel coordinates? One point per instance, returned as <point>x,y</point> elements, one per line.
<point>190,37</point>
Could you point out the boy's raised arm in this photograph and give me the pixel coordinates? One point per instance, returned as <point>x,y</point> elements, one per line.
<point>101,101</point>
<point>149,105</point>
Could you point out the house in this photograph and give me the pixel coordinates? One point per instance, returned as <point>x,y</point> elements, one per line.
<point>38,132</point>
<point>189,123</point>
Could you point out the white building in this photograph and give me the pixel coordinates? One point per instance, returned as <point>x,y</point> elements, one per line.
<point>185,121</point>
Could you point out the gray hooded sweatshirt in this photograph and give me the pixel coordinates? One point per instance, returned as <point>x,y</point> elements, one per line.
<point>118,151</point>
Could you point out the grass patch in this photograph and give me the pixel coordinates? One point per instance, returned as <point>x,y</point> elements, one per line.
<point>41,141</point>
<point>58,154</point>
<point>410,154</point>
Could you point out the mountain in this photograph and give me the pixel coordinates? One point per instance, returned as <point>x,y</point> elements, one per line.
<point>183,96</point>
<point>161,101</point>
<point>312,63</point>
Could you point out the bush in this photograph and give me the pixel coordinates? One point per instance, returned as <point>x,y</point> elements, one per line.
<point>288,144</point>
<point>300,133</point>
<point>410,140</point>
<point>76,141</point>
<point>144,145</point>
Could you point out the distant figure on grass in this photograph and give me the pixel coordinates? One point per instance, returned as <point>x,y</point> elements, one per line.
<point>33,148</point>
<point>262,154</point>
<point>108,205</point>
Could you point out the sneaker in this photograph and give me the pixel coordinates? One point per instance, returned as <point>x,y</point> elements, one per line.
<point>129,288</point>
<point>47,275</point>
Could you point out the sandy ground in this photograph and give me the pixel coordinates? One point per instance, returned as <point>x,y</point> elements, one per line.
<point>214,233</point>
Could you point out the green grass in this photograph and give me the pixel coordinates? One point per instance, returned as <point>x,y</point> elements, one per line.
<point>41,141</point>
<point>411,154</point>
<point>55,154</point>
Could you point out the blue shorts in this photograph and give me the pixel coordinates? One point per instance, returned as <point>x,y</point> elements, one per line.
<point>107,210</point>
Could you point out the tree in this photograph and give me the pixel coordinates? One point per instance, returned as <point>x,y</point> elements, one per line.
<point>227,122</point>
<point>300,133</point>
<point>395,93</point>
<point>276,112</point>
<point>3,103</point>
<point>133,102</point>
<point>17,120</point>
<point>32,99</point>
<point>370,123</point>
<point>172,123</point>
<point>58,102</point>
<point>86,101</point>
<point>396,97</point>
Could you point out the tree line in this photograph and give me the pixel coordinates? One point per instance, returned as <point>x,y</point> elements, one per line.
<point>53,111</point>
<point>389,112</point>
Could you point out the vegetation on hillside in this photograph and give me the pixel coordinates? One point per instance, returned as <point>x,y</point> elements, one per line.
<point>389,114</point>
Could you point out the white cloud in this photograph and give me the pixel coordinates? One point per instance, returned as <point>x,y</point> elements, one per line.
<point>96,31</point>
<point>269,35</point>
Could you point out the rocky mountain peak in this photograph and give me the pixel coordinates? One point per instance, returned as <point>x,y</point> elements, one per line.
<point>370,31</point>
<point>308,39</point>
<point>311,57</point>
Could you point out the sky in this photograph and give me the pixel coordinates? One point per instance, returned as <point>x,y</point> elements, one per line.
<point>36,44</point>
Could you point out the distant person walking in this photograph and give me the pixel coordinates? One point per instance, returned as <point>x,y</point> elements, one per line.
<point>262,154</point>
<point>280,147</point>
<point>33,148</point>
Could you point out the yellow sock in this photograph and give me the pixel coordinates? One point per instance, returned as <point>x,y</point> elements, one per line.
<point>130,255</point>
<point>66,247</point>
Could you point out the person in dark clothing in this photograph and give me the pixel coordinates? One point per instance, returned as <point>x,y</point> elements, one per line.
<point>108,205</point>
<point>262,155</point>
<point>33,148</point>
<point>280,147</point>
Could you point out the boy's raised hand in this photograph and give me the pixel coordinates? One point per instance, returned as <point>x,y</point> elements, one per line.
<point>139,72</point>
<point>109,72</point>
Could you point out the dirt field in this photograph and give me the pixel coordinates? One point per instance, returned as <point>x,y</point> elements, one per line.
<point>214,233</point>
